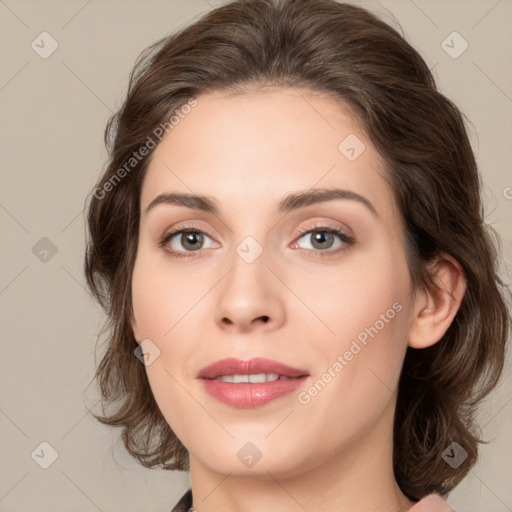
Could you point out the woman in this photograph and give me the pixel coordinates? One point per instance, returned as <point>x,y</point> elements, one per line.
<point>289,244</point>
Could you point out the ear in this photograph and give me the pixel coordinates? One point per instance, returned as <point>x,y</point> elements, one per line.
<point>133,324</point>
<point>436,307</point>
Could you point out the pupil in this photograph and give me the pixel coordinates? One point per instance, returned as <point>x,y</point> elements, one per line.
<point>321,236</point>
<point>191,239</point>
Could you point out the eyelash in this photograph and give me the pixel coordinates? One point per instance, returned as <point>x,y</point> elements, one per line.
<point>322,228</point>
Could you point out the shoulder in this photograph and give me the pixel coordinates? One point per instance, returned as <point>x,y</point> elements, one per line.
<point>185,502</point>
<point>431,503</point>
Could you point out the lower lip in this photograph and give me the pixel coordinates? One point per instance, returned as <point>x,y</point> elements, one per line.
<point>246,395</point>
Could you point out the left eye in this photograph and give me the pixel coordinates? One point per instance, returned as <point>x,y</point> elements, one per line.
<point>324,238</point>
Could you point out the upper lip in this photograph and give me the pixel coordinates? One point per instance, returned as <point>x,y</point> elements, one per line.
<point>233,366</point>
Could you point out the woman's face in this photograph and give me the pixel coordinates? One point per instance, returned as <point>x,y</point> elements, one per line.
<point>319,284</point>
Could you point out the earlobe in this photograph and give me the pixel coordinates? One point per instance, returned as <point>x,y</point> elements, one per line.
<point>436,306</point>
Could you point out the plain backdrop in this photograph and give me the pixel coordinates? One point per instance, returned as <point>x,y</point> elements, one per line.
<point>53,115</point>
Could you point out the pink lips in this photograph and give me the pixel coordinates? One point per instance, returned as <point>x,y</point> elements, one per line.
<point>246,394</point>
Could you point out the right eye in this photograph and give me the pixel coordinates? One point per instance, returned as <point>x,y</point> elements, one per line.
<point>190,240</point>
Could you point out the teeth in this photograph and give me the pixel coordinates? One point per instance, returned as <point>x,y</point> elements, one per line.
<point>256,378</point>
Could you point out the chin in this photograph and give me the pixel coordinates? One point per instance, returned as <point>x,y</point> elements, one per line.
<point>248,459</point>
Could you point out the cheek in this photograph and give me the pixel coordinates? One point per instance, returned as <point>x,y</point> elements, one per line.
<point>366,307</point>
<point>158,306</point>
<point>165,303</point>
<point>161,296</point>
<point>364,287</point>
<point>359,368</point>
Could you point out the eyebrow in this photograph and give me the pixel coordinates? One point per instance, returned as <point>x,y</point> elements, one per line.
<point>289,203</point>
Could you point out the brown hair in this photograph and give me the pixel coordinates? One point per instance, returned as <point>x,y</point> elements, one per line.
<point>346,51</point>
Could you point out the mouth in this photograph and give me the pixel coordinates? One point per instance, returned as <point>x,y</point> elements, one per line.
<point>253,378</point>
<point>250,383</point>
<point>256,367</point>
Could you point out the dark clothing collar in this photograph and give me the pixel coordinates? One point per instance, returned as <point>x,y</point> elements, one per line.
<point>185,502</point>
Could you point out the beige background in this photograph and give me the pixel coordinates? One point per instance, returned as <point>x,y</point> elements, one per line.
<point>54,112</point>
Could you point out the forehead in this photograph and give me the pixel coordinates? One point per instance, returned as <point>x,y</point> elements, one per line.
<point>253,148</point>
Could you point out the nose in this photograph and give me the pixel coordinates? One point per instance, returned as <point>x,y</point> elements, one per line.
<point>250,297</point>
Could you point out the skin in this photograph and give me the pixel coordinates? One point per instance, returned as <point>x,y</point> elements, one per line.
<point>247,152</point>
